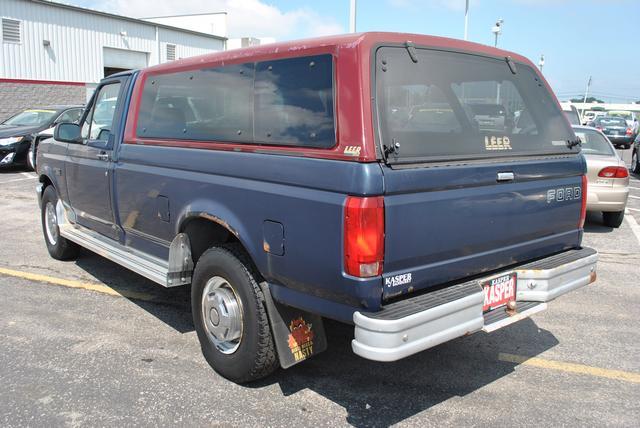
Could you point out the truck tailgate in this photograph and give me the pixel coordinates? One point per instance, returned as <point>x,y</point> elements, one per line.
<point>444,223</point>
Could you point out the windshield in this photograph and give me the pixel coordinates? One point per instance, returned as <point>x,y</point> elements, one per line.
<point>451,105</point>
<point>610,121</point>
<point>594,143</point>
<point>572,117</point>
<point>31,117</point>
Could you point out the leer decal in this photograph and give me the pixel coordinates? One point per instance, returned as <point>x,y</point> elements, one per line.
<point>300,339</point>
<point>497,143</point>
<point>352,150</point>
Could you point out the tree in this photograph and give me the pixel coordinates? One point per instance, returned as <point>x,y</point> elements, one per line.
<point>589,100</point>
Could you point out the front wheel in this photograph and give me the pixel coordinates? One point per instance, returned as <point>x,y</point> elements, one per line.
<point>31,157</point>
<point>635,163</point>
<point>613,219</point>
<point>230,317</point>
<point>59,248</point>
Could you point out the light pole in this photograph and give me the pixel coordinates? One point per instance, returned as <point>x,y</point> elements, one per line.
<point>466,20</point>
<point>586,92</point>
<point>497,30</point>
<point>352,17</point>
<point>541,62</point>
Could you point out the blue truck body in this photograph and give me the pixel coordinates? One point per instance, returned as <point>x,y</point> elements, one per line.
<point>445,223</point>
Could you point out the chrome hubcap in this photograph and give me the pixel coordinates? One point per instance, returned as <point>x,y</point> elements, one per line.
<point>222,315</point>
<point>51,223</point>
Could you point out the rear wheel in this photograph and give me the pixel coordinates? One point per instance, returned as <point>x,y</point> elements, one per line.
<point>59,248</point>
<point>230,317</point>
<point>613,219</point>
<point>635,163</point>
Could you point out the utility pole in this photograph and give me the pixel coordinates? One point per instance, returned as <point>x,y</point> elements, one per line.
<point>466,20</point>
<point>586,92</point>
<point>497,30</point>
<point>352,17</point>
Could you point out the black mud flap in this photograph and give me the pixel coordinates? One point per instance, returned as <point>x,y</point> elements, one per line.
<point>298,334</point>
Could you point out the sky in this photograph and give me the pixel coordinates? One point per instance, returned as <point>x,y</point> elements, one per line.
<point>579,38</point>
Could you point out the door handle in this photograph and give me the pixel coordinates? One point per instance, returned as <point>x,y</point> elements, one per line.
<point>103,156</point>
<point>505,176</point>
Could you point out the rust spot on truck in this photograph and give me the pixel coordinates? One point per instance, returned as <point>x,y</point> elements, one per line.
<point>220,221</point>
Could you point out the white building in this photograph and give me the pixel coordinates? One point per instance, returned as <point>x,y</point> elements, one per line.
<point>54,53</point>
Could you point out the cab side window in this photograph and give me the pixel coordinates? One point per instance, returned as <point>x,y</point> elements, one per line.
<point>98,123</point>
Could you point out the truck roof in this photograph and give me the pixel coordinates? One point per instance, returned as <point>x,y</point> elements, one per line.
<point>338,42</point>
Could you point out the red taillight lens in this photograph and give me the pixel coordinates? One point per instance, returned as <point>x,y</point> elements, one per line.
<point>364,236</point>
<point>583,207</point>
<point>614,172</point>
<point>629,131</point>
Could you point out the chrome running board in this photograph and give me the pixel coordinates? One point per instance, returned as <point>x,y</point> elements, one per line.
<point>148,266</point>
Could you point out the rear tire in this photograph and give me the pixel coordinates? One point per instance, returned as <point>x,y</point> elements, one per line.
<point>613,219</point>
<point>225,292</point>
<point>635,163</point>
<point>59,248</point>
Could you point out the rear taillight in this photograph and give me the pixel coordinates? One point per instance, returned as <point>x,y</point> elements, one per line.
<point>364,236</point>
<point>629,131</point>
<point>583,207</point>
<point>614,172</point>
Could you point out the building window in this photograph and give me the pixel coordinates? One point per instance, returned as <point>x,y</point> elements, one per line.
<point>171,52</point>
<point>10,30</point>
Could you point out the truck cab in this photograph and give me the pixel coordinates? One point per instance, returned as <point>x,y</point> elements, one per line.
<point>360,178</point>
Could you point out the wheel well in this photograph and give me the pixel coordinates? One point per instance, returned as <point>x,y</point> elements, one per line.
<point>46,181</point>
<point>204,234</point>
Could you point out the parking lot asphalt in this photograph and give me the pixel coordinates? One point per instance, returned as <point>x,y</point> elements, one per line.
<point>89,343</point>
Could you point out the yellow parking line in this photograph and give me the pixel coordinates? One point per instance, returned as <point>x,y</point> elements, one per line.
<point>70,283</point>
<point>570,367</point>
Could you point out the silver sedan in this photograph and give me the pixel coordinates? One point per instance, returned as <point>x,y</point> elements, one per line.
<point>607,176</point>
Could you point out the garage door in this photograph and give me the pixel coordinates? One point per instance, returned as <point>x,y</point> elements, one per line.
<point>124,59</point>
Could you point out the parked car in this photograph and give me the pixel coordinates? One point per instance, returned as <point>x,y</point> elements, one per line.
<point>607,176</point>
<point>21,133</point>
<point>635,155</point>
<point>628,116</point>
<point>616,130</point>
<point>572,114</point>
<point>267,179</point>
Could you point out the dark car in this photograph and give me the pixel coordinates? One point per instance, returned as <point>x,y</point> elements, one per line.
<point>616,129</point>
<point>20,134</point>
<point>635,154</point>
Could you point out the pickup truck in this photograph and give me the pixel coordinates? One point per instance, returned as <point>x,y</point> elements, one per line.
<point>343,177</point>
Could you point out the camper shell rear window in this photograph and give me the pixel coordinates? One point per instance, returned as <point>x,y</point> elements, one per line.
<point>442,105</point>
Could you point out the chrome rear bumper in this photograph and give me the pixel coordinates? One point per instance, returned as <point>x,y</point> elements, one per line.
<point>412,325</point>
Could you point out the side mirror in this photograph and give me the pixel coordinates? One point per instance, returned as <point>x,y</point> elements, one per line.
<point>67,133</point>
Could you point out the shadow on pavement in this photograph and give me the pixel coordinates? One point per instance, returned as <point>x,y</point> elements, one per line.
<point>593,223</point>
<point>372,393</point>
<point>170,305</point>
<point>382,394</point>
